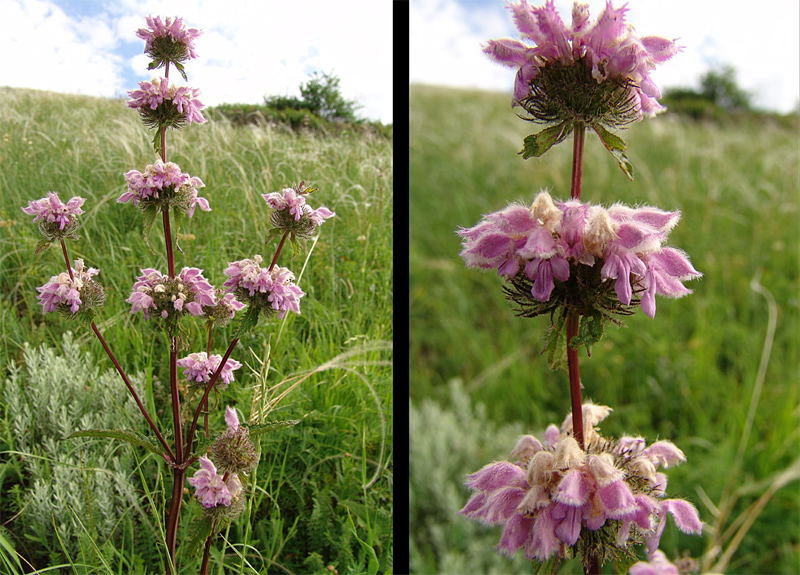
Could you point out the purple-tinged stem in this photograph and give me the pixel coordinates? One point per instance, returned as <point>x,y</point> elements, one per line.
<point>577,159</point>
<point>66,259</point>
<point>133,392</point>
<point>278,252</point>
<point>574,379</point>
<point>573,321</point>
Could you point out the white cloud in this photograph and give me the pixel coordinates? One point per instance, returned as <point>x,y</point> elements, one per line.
<point>249,48</point>
<point>45,49</point>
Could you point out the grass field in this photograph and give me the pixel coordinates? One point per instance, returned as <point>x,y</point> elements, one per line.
<point>337,463</point>
<point>478,381</point>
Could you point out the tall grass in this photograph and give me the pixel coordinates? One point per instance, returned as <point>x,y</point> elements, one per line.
<point>688,375</point>
<point>81,146</point>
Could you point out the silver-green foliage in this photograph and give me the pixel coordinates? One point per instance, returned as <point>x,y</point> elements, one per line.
<point>444,446</point>
<point>55,393</point>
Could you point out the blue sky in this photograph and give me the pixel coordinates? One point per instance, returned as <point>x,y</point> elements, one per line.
<point>761,40</point>
<point>249,48</point>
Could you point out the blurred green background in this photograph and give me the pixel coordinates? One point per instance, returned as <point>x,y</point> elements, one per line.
<point>477,379</point>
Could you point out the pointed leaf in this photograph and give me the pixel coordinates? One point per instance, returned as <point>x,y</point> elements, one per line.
<point>199,531</point>
<point>617,147</point>
<point>269,426</point>
<point>248,321</point>
<point>133,437</point>
<point>179,66</point>
<point>590,331</point>
<point>178,217</point>
<point>148,217</point>
<point>538,144</point>
<point>157,143</point>
<point>42,246</point>
<point>555,346</point>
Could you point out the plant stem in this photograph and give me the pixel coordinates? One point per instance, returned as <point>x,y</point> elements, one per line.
<point>278,251</point>
<point>574,379</point>
<point>66,259</point>
<point>573,321</point>
<point>207,550</point>
<point>577,159</point>
<point>133,392</point>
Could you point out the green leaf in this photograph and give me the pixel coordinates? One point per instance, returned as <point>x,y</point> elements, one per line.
<point>372,559</point>
<point>590,331</point>
<point>179,66</point>
<point>538,144</point>
<point>249,321</point>
<point>617,147</point>
<point>202,445</point>
<point>133,437</point>
<point>42,246</point>
<point>556,347</point>
<point>199,531</point>
<point>157,143</point>
<point>148,218</point>
<point>269,426</point>
<point>178,217</point>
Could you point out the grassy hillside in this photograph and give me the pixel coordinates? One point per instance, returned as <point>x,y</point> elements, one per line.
<point>687,376</point>
<point>82,146</point>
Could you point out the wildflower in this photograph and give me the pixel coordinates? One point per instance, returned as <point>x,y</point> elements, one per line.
<point>293,214</point>
<point>169,297</point>
<point>57,220</point>
<point>199,367</point>
<point>168,41</point>
<point>553,490</point>
<point>269,290</point>
<point>225,309</point>
<point>71,295</point>
<point>234,451</point>
<point>212,490</point>
<point>571,254</point>
<point>608,53</point>
<point>161,185</point>
<point>657,564</point>
<point>161,105</point>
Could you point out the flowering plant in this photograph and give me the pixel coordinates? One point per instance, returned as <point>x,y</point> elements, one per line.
<point>577,494</point>
<point>590,74</point>
<point>171,298</point>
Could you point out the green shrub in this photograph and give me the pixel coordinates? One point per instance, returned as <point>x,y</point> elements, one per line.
<point>76,490</point>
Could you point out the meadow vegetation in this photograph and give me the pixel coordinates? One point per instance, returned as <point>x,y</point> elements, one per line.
<point>477,379</point>
<point>322,501</point>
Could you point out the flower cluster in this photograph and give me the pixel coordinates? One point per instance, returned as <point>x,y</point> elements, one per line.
<point>199,367</point>
<point>161,104</point>
<point>72,294</point>
<point>52,209</point>
<point>549,243</point>
<point>161,37</point>
<point>212,489</point>
<point>168,297</point>
<point>270,290</point>
<point>609,49</point>
<point>225,310</point>
<point>234,453</point>
<point>554,488</point>
<point>57,220</point>
<point>293,214</point>
<point>164,184</point>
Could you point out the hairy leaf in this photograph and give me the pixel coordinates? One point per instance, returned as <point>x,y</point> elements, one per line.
<point>538,144</point>
<point>617,147</point>
<point>132,437</point>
